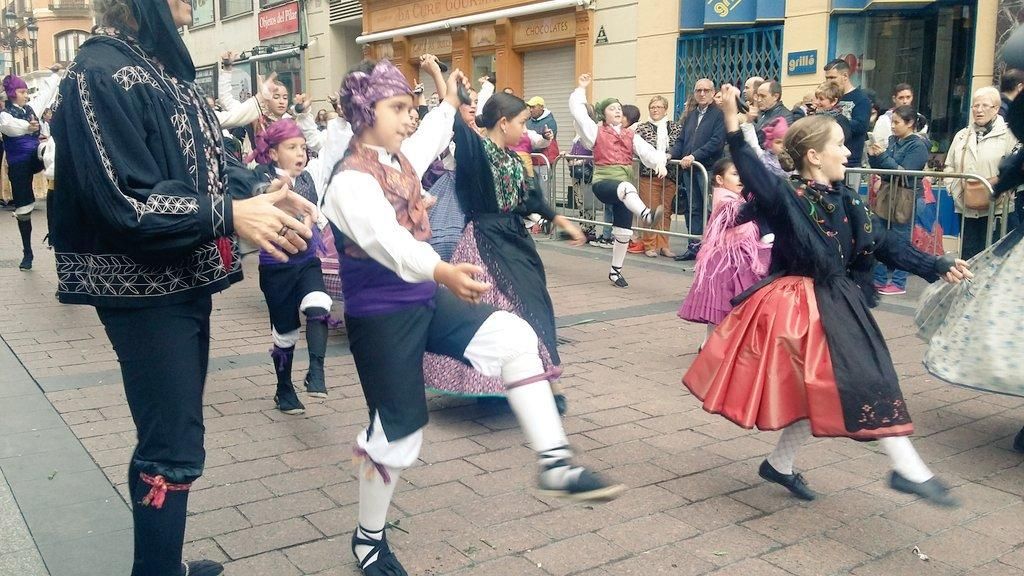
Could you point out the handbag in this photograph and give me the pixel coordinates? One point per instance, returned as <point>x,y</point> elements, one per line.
<point>895,201</point>
<point>975,195</point>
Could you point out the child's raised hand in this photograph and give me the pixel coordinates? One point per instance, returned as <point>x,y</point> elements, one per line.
<point>584,80</point>
<point>455,79</point>
<point>729,98</point>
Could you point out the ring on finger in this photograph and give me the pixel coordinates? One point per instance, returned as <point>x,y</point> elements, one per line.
<point>284,230</point>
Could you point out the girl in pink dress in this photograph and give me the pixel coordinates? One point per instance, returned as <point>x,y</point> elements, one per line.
<point>733,256</point>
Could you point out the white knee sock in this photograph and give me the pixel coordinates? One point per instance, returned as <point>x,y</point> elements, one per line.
<point>620,244</point>
<point>534,404</point>
<point>905,459</point>
<point>629,196</point>
<point>374,503</point>
<point>792,438</point>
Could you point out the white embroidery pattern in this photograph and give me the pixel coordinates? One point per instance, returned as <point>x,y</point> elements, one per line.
<point>155,203</point>
<point>106,275</point>
<point>187,143</point>
<point>131,76</point>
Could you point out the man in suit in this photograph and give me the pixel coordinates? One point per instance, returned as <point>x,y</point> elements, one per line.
<point>702,140</point>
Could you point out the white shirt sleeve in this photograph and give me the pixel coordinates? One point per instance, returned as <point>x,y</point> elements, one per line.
<point>648,154</point>
<point>45,95</point>
<point>338,137</point>
<point>225,96</point>
<point>585,125</point>
<point>355,203</point>
<point>314,137</point>
<point>536,140</point>
<point>11,126</point>
<point>243,114</point>
<point>431,138</point>
<point>750,135</point>
<point>485,93</point>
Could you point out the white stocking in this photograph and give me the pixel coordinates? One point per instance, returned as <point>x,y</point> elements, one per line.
<point>793,437</point>
<point>905,459</point>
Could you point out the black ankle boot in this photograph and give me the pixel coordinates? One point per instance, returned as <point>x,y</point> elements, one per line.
<point>316,340</point>
<point>25,228</point>
<point>285,398</point>
<point>201,568</point>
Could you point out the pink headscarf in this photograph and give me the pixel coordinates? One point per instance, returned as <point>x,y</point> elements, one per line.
<point>774,130</point>
<point>274,135</point>
<point>360,91</point>
<point>11,84</point>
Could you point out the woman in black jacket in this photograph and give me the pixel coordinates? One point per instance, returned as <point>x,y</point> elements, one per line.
<point>142,229</point>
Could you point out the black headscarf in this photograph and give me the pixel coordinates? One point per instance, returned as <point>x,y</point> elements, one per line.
<point>1011,168</point>
<point>159,37</point>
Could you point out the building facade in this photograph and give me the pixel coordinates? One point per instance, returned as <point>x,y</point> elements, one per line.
<point>309,44</point>
<point>62,27</point>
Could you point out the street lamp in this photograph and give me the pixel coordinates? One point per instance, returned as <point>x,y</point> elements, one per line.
<point>9,36</point>
<point>33,36</point>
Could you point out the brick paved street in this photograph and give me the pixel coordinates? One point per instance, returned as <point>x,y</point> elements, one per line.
<point>279,495</point>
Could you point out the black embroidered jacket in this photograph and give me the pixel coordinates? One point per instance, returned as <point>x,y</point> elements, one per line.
<point>139,198</point>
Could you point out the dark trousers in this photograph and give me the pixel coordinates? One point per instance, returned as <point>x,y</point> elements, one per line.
<point>974,230</point>
<point>163,352</point>
<point>690,203</point>
<point>21,175</point>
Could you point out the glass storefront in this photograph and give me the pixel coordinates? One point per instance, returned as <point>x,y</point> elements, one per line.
<point>930,49</point>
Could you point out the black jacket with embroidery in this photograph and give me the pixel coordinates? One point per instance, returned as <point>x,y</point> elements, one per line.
<point>139,199</point>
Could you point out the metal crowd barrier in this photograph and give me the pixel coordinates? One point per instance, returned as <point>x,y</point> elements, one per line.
<point>998,212</point>
<point>571,195</point>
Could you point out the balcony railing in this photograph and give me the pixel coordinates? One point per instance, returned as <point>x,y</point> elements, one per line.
<point>70,5</point>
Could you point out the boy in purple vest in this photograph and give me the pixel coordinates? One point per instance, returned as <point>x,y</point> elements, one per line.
<point>396,310</point>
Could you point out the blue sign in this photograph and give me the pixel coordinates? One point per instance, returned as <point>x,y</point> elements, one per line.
<point>730,12</point>
<point>805,62</point>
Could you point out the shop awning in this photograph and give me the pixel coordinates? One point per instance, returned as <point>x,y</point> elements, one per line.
<point>535,8</point>
<point>857,5</point>
<point>731,13</point>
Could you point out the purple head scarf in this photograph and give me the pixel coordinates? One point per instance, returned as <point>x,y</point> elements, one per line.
<point>360,91</point>
<point>270,138</point>
<point>11,84</point>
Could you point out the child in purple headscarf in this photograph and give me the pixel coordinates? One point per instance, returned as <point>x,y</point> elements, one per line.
<point>19,123</point>
<point>297,285</point>
<point>402,301</point>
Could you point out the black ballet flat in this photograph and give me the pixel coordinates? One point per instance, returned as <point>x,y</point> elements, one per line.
<point>618,280</point>
<point>1018,442</point>
<point>561,404</point>
<point>795,483</point>
<point>932,490</point>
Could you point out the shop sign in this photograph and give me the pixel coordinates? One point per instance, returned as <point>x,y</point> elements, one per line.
<point>548,29</point>
<point>279,21</point>
<point>480,36</point>
<point>436,44</point>
<point>425,11</point>
<point>719,12</point>
<point>805,62</point>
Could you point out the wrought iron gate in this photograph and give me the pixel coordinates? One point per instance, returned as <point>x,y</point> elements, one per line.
<point>727,56</point>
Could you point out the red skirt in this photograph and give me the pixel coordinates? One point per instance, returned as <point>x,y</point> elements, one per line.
<point>768,365</point>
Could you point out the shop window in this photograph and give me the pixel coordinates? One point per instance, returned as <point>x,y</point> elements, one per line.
<point>202,12</point>
<point>930,49</point>
<point>68,43</point>
<point>289,72</point>
<point>727,56</point>
<point>483,65</point>
<point>206,79</point>
<point>229,8</point>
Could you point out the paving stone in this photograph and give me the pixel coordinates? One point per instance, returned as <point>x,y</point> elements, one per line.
<point>816,557</point>
<point>214,523</point>
<point>575,554</point>
<point>751,567</point>
<point>648,532</point>
<point>703,485</point>
<point>877,535</point>
<point>668,560</point>
<point>227,495</point>
<point>253,541</point>
<point>285,507</point>
<point>792,525</point>
<point>730,544</point>
<point>962,548</point>
<point>904,562</point>
<point>506,566</point>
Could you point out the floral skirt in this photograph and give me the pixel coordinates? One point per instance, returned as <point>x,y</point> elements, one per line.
<point>975,329</point>
<point>449,376</point>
